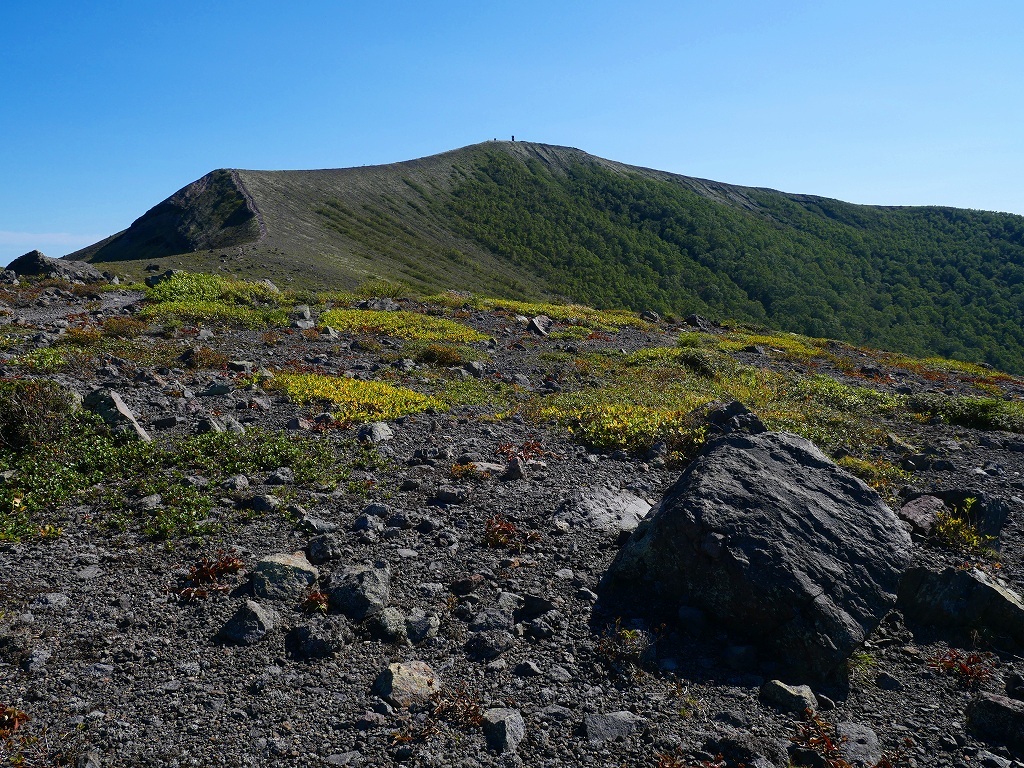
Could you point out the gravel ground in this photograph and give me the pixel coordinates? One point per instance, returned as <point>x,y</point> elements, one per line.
<point>116,667</point>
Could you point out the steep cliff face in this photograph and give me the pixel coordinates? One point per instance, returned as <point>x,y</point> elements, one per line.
<point>213,212</point>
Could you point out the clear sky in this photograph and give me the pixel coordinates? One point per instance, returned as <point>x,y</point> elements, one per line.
<point>108,107</point>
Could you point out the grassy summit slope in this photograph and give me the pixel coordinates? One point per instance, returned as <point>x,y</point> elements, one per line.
<point>534,221</point>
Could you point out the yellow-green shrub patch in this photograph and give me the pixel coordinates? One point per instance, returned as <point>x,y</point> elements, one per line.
<point>401,325</point>
<point>196,311</point>
<point>354,400</point>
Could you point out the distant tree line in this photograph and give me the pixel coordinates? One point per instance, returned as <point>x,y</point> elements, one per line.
<point>922,280</point>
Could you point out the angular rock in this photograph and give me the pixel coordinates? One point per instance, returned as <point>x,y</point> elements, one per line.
<point>921,513</point>
<point>504,729</point>
<point>281,476</point>
<point>420,626</point>
<point>323,548</point>
<point>969,599</point>
<point>313,641</point>
<point>997,718</point>
<point>208,424</point>
<point>769,537</point>
<point>488,619</point>
<point>360,591</point>
<point>725,418</point>
<point>249,625</point>
<point>451,494</point>
<point>613,725</point>
<point>375,432</point>
<point>515,469</point>
<point>484,646</point>
<point>859,744</point>
<point>283,577</point>
<point>264,503</point>
<point>390,625</point>
<point>603,509</point>
<point>35,263</point>
<point>541,325</point>
<point>108,405</point>
<point>788,698</point>
<point>408,684</point>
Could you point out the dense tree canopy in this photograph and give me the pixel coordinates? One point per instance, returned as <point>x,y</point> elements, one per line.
<point>922,280</point>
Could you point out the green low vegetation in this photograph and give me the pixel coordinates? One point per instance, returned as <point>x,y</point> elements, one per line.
<point>352,401</point>
<point>975,412</point>
<point>58,453</point>
<point>400,325</point>
<point>197,298</point>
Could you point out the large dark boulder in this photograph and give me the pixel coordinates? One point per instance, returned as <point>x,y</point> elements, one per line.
<point>774,541</point>
<point>36,264</point>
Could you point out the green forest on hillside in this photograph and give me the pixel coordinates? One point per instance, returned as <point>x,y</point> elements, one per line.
<point>921,280</point>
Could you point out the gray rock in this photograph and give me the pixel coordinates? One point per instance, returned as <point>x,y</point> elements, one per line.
<point>265,503</point>
<point>217,388</point>
<point>90,759</point>
<point>50,602</point>
<point>968,599</point>
<point>859,744</point>
<point>375,432</point>
<point>360,591</point>
<point>488,619</point>
<point>36,263</point>
<point>314,641</point>
<point>236,483</point>
<point>541,325</point>
<point>997,718</point>
<point>420,626</point>
<point>346,758</point>
<point>788,698</point>
<point>921,513</point>
<point>233,425</point>
<point>281,476</point>
<point>887,682</point>
<point>451,494</point>
<point>603,509</point>
<point>283,577</point>
<point>490,644</point>
<point>390,625</point>
<point>515,470</point>
<point>613,725</point>
<point>408,684</point>
<point>1014,685</point>
<point>208,424</point>
<point>323,548</point>
<point>769,537</point>
<point>504,729</point>
<point>35,662</point>
<point>108,405</point>
<point>312,524</point>
<point>249,625</point>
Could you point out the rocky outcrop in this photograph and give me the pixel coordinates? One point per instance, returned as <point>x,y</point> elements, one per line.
<point>35,263</point>
<point>968,599</point>
<point>774,541</point>
<point>603,509</point>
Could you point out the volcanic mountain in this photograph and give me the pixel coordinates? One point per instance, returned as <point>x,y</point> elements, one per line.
<point>530,220</point>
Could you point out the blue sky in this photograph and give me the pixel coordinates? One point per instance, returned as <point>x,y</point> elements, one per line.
<point>108,107</point>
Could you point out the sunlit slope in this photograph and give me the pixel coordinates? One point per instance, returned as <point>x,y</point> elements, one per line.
<point>531,220</point>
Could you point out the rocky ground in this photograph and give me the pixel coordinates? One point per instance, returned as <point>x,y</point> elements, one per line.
<point>437,607</point>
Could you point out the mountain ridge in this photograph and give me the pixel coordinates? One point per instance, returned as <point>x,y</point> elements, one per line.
<point>535,221</point>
